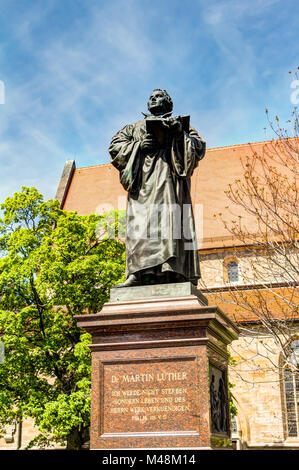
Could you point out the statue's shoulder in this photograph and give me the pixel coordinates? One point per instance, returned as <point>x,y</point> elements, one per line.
<point>140,123</point>
<point>134,125</point>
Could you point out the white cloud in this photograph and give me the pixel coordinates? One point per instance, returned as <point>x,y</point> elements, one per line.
<point>77,74</point>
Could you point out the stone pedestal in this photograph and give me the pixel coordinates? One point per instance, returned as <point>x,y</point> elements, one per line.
<point>159,369</point>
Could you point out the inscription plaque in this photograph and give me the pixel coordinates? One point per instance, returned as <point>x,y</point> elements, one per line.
<point>150,396</point>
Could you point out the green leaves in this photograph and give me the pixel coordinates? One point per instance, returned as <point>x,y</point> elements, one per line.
<point>53,266</point>
<point>60,416</point>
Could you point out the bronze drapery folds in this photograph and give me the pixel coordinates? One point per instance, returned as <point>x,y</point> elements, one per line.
<point>156,158</point>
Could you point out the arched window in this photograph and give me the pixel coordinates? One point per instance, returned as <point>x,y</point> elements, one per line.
<point>291,390</point>
<point>234,425</point>
<point>233,271</point>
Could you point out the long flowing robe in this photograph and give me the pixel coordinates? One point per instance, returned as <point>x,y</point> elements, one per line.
<point>160,223</point>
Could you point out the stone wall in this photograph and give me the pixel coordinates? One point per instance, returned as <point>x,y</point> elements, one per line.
<point>259,393</point>
<point>18,438</point>
<point>253,268</point>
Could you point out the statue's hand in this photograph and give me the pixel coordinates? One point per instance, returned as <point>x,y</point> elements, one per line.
<point>174,125</point>
<point>148,143</point>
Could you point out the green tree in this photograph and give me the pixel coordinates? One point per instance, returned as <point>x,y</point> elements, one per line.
<point>53,265</point>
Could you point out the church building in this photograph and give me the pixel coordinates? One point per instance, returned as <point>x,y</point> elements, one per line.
<point>265,391</point>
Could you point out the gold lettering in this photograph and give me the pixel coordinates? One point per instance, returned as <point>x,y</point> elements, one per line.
<point>174,391</point>
<point>144,404</point>
<point>131,393</point>
<point>179,399</point>
<point>172,376</point>
<point>138,378</point>
<point>126,401</point>
<point>119,410</point>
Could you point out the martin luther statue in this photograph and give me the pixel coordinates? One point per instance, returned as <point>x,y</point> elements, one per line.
<point>156,158</point>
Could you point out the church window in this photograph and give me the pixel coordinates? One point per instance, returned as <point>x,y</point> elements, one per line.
<point>291,390</point>
<point>233,271</point>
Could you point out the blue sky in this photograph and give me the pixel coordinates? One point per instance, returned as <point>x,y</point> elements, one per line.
<point>76,71</point>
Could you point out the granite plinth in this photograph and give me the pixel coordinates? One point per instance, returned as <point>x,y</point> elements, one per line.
<point>151,372</point>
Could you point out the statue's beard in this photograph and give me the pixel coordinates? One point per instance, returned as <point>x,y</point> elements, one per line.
<point>157,109</point>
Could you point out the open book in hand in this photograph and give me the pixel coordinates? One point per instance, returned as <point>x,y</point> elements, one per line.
<point>160,128</point>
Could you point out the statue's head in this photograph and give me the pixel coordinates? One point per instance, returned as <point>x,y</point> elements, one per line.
<point>159,102</point>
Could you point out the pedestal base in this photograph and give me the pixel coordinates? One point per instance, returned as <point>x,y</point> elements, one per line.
<point>157,367</point>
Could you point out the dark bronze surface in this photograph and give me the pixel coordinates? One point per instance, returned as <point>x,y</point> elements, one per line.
<point>156,158</point>
<point>219,405</point>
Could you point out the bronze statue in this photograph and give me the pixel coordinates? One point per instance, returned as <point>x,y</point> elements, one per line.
<point>156,158</point>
